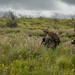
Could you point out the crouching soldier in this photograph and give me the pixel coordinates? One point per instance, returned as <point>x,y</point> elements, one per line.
<point>51,39</point>
<point>73,42</point>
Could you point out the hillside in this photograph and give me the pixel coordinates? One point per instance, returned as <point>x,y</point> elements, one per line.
<point>22,54</point>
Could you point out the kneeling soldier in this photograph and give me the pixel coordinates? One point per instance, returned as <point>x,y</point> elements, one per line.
<point>51,39</point>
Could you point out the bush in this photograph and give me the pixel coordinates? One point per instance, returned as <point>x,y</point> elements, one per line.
<point>12,23</point>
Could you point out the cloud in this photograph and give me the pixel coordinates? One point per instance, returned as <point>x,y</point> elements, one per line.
<point>30,4</point>
<point>45,8</point>
<point>30,7</point>
<point>71,2</point>
<point>65,8</point>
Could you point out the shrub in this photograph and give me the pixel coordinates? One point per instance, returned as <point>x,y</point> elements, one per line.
<point>12,23</point>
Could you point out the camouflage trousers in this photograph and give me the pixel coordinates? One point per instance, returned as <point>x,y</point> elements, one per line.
<point>48,42</point>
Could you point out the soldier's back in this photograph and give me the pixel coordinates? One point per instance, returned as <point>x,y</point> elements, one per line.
<point>54,36</point>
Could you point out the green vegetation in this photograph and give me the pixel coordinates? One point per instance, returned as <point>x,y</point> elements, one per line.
<point>22,54</point>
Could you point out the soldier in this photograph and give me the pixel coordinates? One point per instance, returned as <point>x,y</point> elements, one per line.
<point>73,42</point>
<point>51,39</point>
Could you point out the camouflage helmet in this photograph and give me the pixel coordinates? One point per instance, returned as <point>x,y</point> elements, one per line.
<point>45,30</point>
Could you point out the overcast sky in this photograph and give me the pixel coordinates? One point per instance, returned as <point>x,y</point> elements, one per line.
<point>39,7</point>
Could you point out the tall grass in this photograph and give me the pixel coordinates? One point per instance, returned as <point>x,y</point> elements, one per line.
<point>21,54</point>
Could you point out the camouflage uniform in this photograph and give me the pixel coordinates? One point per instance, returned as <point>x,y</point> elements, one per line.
<point>51,39</point>
<point>73,42</point>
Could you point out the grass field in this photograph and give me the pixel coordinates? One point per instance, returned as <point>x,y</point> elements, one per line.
<point>22,54</point>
